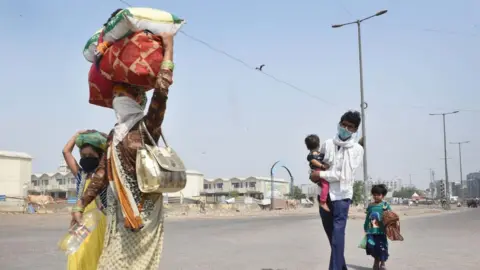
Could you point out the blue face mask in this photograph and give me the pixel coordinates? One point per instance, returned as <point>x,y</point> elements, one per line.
<point>343,133</point>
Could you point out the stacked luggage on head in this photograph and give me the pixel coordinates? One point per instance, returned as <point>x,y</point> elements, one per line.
<point>127,49</point>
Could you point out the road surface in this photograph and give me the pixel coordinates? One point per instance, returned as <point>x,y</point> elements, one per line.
<point>449,241</point>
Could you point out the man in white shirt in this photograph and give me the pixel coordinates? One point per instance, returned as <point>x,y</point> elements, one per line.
<point>343,155</point>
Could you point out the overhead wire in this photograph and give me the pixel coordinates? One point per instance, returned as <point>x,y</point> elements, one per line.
<point>291,85</point>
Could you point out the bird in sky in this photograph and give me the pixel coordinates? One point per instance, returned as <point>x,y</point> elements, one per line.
<point>260,67</point>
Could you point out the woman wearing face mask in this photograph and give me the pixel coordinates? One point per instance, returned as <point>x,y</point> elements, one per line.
<point>134,236</point>
<point>92,146</point>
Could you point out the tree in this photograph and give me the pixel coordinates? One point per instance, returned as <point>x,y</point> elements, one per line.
<point>405,192</point>
<point>234,194</point>
<point>358,193</point>
<point>296,193</point>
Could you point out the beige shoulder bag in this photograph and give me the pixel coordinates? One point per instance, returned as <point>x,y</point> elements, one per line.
<point>159,169</point>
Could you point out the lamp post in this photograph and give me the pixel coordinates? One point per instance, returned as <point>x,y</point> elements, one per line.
<point>272,181</point>
<point>445,154</point>
<point>462,195</point>
<point>271,184</point>
<point>362,100</point>
<point>291,180</point>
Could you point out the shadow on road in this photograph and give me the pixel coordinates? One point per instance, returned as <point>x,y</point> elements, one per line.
<point>356,267</point>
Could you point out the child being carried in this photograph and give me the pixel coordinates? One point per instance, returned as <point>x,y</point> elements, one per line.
<point>315,158</point>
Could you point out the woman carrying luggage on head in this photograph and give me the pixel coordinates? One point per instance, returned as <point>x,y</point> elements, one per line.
<point>92,146</point>
<point>134,236</point>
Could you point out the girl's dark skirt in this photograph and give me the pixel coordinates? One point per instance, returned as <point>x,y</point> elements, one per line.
<point>377,246</point>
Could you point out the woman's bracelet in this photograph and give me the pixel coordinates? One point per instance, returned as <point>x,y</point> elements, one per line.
<point>167,64</point>
<point>77,209</point>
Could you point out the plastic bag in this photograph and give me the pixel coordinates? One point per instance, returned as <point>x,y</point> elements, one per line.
<point>363,243</point>
<point>131,20</point>
<point>95,139</point>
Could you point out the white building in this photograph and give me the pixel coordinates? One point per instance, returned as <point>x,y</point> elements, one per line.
<point>392,185</point>
<point>193,188</point>
<point>253,186</point>
<point>310,190</point>
<point>15,170</point>
<point>61,184</point>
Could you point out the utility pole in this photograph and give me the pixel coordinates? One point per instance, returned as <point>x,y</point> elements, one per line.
<point>462,192</point>
<point>363,104</point>
<point>445,155</point>
<point>432,184</point>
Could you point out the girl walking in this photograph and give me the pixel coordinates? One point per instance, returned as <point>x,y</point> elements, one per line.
<point>377,244</point>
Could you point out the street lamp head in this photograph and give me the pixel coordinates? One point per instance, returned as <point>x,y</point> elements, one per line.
<point>337,25</point>
<point>381,12</point>
<point>455,111</point>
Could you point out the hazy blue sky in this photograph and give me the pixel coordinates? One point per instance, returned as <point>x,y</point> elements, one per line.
<point>226,120</point>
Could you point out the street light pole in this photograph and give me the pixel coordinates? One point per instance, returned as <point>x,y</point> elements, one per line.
<point>462,195</point>
<point>431,182</point>
<point>447,185</point>
<point>271,183</point>
<point>362,100</point>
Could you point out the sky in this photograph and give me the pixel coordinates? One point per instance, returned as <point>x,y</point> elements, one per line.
<point>227,120</point>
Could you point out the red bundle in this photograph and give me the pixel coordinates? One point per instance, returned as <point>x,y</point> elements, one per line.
<point>134,60</point>
<point>101,89</point>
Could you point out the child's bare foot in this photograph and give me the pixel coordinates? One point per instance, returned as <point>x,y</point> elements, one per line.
<point>382,266</point>
<point>324,206</point>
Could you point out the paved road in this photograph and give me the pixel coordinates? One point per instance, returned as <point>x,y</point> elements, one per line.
<point>449,241</point>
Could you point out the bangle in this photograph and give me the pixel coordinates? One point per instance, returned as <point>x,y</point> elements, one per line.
<point>77,209</point>
<point>167,64</point>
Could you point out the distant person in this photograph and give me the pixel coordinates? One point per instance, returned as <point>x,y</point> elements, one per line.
<point>344,155</point>
<point>315,158</point>
<point>377,244</point>
<point>92,146</point>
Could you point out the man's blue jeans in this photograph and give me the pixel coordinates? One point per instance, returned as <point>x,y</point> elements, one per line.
<point>334,223</point>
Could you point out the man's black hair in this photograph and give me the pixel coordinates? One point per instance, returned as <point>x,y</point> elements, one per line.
<point>352,117</point>
<point>379,190</point>
<point>312,142</point>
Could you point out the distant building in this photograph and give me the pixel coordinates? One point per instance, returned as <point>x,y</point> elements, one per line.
<point>473,185</point>
<point>392,185</point>
<point>15,170</point>
<point>253,186</point>
<point>61,184</point>
<point>310,190</point>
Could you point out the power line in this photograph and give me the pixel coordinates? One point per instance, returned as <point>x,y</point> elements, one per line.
<point>244,63</point>
<point>340,3</point>
<point>125,2</point>
<point>253,68</point>
<point>284,82</point>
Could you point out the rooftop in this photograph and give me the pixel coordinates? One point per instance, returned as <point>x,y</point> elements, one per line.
<point>15,155</point>
<point>252,178</point>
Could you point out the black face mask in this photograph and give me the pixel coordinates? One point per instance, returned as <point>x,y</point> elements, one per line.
<point>89,164</point>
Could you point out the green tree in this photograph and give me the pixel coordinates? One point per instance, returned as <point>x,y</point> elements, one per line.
<point>358,193</point>
<point>405,192</point>
<point>233,194</point>
<point>296,193</point>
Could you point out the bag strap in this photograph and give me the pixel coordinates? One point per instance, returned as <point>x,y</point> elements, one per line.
<point>152,141</point>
